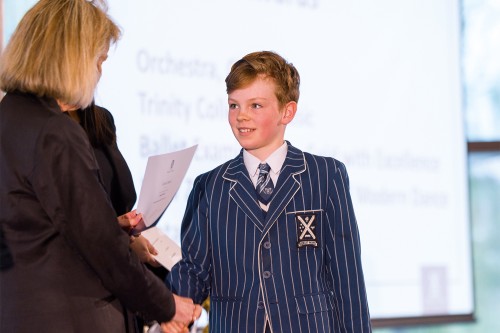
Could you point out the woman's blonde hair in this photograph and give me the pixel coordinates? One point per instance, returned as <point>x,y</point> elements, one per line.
<point>55,49</point>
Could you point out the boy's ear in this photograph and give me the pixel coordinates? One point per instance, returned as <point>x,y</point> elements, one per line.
<point>289,112</point>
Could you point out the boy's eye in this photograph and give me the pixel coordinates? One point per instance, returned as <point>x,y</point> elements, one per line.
<point>256,106</point>
<point>232,106</point>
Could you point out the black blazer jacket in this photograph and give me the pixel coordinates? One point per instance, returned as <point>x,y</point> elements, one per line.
<point>115,173</point>
<point>71,263</point>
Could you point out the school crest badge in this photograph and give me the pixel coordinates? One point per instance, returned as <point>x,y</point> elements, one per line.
<point>306,230</point>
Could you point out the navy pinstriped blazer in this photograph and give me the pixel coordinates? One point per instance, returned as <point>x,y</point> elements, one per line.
<point>300,263</point>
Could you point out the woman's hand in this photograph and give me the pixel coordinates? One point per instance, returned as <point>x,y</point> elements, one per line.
<point>128,221</point>
<point>186,313</point>
<point>144,249</point>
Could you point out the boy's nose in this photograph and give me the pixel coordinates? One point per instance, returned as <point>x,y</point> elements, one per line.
<point>243,115</point>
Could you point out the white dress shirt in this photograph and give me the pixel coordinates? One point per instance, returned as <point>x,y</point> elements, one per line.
<point>275,161</point>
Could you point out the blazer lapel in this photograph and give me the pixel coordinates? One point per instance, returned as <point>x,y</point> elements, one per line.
<point>243,192</point>
<point>287,184</point>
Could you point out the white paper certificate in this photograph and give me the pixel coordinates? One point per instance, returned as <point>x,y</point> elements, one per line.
<point>169,253</point>
<point>162,178</point>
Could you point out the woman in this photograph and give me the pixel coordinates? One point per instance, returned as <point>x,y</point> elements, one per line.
<point>72,270</point>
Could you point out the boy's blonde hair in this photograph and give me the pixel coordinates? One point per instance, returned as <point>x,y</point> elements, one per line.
<point>269,65</point>
<point>55,48</point>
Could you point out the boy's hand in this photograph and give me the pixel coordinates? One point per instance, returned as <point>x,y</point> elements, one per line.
<point>174,327</point>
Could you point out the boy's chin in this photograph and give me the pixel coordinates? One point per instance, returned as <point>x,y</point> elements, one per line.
<point>244,142</point>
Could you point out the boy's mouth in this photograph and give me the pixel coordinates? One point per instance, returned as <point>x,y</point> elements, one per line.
<point>245,130</point>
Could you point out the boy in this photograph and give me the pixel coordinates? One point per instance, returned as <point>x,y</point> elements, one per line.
<point>276,250</point>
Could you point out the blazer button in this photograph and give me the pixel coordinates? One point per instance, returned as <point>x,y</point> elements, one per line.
<point>267,274</point>
<point>267,245</point>
<point>260,305</point>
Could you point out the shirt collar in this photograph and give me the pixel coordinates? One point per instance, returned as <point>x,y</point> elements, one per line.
<point>275,160</point>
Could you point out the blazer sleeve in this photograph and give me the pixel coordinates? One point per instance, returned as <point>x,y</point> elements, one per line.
<point>190,276</point>
<point>344,255</point>
<point>66,181</point>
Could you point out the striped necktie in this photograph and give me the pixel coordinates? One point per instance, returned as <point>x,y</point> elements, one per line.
<point>265,185</point>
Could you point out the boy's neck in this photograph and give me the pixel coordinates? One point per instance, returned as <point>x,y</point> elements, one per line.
<point>262,154</point>
<point>265,157</point>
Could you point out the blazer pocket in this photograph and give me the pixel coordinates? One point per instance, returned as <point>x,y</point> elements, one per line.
<point>225,299</point>
<point>313,303</point>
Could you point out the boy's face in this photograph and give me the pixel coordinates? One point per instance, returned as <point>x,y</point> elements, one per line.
<point>256,119</point>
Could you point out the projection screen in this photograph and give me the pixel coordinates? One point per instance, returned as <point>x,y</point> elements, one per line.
<point>380,91</point>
